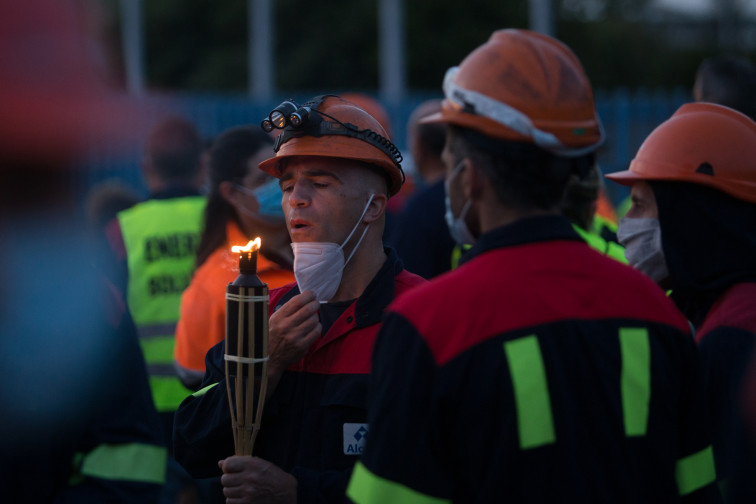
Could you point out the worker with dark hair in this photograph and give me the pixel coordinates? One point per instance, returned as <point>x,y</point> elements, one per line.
<point>243,203</point>
<point>539,370</point>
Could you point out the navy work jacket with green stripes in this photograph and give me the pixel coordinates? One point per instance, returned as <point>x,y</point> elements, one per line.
<point>78,424</point>
<point>314,425</point>
<point>538,371</point>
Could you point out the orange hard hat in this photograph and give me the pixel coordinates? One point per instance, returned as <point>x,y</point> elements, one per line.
<point>526,87</point>
<point>55,93</point>
<point>329,126</point>
<point>702,143</point>
<point>373,107</point>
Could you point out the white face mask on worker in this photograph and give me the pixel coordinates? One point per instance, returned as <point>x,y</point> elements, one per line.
<point>457,225</point>
<point>318,266</point>
<point>641,238</point>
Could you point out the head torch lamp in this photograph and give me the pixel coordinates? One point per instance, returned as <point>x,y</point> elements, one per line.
<point>308,120</point>
<point>286,114</point>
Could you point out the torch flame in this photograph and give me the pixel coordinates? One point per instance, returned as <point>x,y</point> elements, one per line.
<point>249,247</point>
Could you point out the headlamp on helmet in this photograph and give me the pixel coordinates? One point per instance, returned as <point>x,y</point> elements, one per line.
<point>307,120</point>
<point>286,114</point>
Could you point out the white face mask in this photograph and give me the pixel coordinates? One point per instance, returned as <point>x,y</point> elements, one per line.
<point>457,225</point>
<point>641,238</point>
<point>318,266</point>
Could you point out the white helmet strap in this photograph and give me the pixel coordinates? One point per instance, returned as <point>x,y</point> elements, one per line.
<point>510,117</point>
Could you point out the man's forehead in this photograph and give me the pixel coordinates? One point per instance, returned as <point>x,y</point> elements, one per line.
<point>315,166</point>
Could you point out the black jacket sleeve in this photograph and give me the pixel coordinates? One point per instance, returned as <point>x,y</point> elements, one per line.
<point>202,426</point>
<point>726,353</point>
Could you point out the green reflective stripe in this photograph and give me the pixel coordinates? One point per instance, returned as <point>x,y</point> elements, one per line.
<point>534,419</point>
<point>598,243</point>
<point>203,391</point>
<point>367,488</point>
<point>167,393</point>
<point>616,252</point>
<point>158,350</point>
<point>635,379</point>
<point>695,471</point>
<point>124,462</point>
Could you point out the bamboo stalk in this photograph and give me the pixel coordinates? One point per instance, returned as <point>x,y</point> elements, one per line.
<point>230,401</point>
<point>239,379</point>
<point>250,390</point>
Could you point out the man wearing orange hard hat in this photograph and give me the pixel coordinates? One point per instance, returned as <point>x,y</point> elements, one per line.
<point>337,169</point>
<point>539,370</point>
<point>692,229</point>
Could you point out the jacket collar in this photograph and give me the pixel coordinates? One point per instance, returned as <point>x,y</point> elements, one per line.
<point>379,293</point>
<point>528,230</point>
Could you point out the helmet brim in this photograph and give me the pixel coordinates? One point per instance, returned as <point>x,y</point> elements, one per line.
<point>624,177</point>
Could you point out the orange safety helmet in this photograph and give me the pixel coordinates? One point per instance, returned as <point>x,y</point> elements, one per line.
<point>702,143</point>
<point>373,107</point>
<point>526,87</point>
<point>330,126</point>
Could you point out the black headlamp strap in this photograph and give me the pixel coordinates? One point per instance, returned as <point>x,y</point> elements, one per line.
<point>315,126</point>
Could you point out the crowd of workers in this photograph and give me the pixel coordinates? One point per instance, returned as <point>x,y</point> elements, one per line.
<point>494,334</point>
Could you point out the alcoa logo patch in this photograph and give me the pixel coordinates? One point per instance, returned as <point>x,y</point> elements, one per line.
<point>355,435</point>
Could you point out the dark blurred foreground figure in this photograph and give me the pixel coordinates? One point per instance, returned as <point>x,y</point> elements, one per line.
<point>692,228</point>
<point>539,370</point>
<point>728,80</point>
<point>78,424</point>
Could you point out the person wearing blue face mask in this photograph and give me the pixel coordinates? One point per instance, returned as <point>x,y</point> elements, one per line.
<point>243,203</point>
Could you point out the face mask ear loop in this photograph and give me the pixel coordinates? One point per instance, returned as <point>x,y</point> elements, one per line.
<point>465,209</point>
<point>355,228</point>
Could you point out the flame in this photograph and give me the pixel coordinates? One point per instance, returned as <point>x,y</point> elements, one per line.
<point>249,247</point>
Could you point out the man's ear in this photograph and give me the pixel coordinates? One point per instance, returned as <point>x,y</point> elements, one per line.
<point>473,180</point>
<point>376,209</point>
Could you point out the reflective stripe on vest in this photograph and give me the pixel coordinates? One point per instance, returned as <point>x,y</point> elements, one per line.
<point>695,471</point>
<point>598,243</point>
<point>368,488</point>
<point>535,422</point>
<point>635,380</point>
<point>137,462</point>
<point>161,238</point>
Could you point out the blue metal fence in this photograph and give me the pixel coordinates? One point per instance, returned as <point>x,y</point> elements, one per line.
<point>628,117</point>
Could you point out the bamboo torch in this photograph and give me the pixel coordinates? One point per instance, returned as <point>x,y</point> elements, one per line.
<point>246,358</point>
